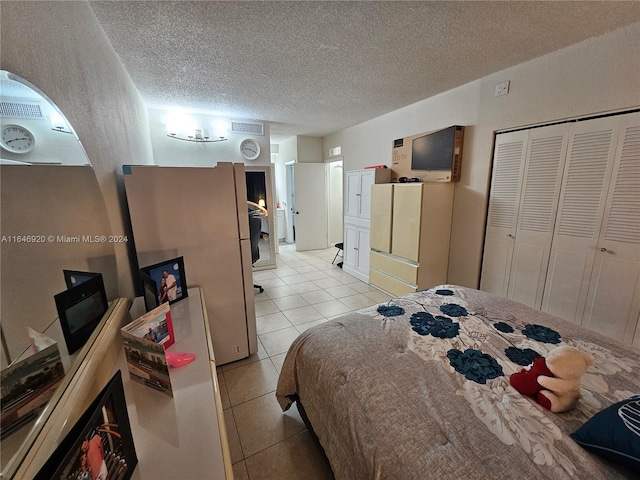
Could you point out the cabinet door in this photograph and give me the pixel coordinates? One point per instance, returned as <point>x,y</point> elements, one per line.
<point>546,152</point>
<point>381,208</point>
<point>506,181</point>
<point>367,178</point>
<point>352,207</point>
<point>350,246</point>
<point>363,250</point>
<point>405,223</point>
<point>613,299</point>
<point>587,173</point>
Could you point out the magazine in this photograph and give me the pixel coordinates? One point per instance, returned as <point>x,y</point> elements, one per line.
<point>145,340</point>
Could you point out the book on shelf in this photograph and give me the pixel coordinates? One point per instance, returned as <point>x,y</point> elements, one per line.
<point>145,340</point>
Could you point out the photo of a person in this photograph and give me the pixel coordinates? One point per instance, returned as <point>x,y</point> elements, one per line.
<point>170,281</point>
<point>93,458</point>
<point>170,285</point>
<point>163,297</point>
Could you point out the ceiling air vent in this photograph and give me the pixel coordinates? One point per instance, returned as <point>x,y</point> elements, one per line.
<point>21,110</point>
<point>250,128</point>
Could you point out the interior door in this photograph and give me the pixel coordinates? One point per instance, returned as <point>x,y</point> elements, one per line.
<point>546,151</point>
<point>613,301</point>
<point>587,173</point>
<point>506,182</point>
<point>310,206</point>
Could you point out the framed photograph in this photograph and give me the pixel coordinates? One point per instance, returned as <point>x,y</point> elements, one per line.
<point>73,278</point>
<point>171,282</point>
<point>80,309</point>
<point>100,444</point>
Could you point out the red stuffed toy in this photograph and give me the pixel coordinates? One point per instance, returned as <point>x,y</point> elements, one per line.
<point>526,381</point>
<point>554,380</point>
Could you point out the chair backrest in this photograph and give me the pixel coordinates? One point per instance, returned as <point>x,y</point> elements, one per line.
<point>255,224</point>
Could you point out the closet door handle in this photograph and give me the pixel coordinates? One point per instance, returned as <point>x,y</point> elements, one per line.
<point>602,249</point>
<point>510,236</point>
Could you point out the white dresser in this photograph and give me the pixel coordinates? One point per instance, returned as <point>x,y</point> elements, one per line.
<point>410,233</point>
<point>183,436</point>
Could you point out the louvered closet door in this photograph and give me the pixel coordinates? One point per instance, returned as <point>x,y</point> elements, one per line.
<point>546,152</point>
<point>506,181</point>
<point>613,301</point>
<point>586,179</point>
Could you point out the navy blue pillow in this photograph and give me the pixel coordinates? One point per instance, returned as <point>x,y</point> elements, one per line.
<point>614,433</point>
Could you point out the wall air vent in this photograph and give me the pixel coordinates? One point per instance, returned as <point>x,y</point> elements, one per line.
<point>21,110</point>
<point>250,128</point>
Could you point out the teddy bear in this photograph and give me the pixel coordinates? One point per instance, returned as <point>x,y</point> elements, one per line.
<point>555,379</point>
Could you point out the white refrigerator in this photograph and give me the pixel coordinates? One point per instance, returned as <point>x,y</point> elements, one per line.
<point>200,213</point>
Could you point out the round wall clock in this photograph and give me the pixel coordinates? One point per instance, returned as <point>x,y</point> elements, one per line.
<point>250,149</point>
<point>17,139</point>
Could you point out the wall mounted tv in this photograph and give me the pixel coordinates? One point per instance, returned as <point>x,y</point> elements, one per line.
<point>80,309</point>
<point>438,152</point>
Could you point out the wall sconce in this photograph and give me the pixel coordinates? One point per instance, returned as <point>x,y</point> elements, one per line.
<point>262,203</point>
<point>198,137</point>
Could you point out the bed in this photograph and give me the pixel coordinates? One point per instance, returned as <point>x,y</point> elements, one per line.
<point>418,388</point>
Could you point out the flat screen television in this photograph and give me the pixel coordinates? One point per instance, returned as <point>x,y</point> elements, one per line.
<point>170,281</point>
<point>80,309</point>
<point>438,151</point>
<point>73,277</point>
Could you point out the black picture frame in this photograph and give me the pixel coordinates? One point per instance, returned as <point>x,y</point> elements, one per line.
<point>80,310</point>
<point>73,278</point>
<point>173,266</point>
<point>149,291</point>
<point>103,433</point>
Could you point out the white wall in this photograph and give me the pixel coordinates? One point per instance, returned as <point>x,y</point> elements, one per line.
<point>598,75</point>
<point>173,152</point>
<point>61,48</point>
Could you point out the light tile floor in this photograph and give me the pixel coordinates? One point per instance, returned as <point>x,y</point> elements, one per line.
<point>305,290</point>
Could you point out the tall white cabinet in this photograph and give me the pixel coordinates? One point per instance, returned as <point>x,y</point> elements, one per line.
<point>410,233</point>
<point>357,216</point>
<point>563,230</point>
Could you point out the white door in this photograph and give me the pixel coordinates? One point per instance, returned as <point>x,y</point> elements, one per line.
<point>350,251</point>
<point>334,187</point>
<point>587,173</point>
<point>352,207</point>
<point>506,182</point>
<point>546,151</point>
<point>613,302</point>
<point>367,178</point>
<point>363,252</point>
<point>310,206</point>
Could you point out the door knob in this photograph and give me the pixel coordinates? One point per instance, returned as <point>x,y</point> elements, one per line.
<point>603,249</point>
<point>297,213</point>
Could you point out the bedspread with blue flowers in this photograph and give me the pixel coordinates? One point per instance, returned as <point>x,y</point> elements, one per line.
<point>464,345</point>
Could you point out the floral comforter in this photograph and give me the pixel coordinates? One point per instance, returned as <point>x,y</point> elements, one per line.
<point>419,388</point>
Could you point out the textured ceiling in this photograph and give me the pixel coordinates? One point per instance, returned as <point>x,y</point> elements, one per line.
<point>311,68</point>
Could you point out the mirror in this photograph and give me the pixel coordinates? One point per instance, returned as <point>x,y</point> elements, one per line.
<point>260,191</point>
<point>51,212</point>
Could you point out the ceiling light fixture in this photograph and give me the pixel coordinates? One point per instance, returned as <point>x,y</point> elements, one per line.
<point>198,137</point>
